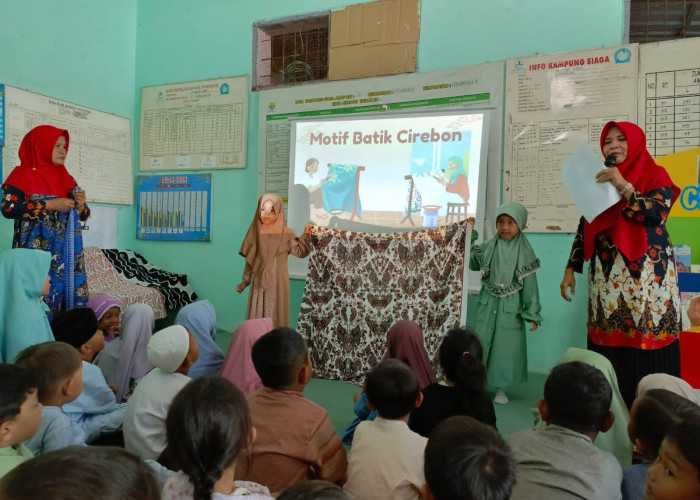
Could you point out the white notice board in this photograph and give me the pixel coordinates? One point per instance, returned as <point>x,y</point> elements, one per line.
<point>478,87</point>
<point>554,104</point>
<point>99,155</point>
<point>669,95</point>
<point>195,125</point>
<point>465,89</point>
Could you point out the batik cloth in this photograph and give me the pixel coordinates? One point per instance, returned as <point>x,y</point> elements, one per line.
<point>359,284</point>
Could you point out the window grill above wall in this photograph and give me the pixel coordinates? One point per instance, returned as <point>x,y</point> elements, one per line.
<point>290,51</point>
<point>658,20</point>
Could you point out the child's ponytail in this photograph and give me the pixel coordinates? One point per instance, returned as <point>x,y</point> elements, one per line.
<point>460,358</point>
<point>203,482</point>
<point>470,374</point>
<point>207,427</point>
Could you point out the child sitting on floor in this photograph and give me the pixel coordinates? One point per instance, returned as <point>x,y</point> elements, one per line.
<point>315,489</point>
<point>652,414</point>
<point>58,370</point>
<point>172,351</point>
<point>23,321</point>
<point>96,409</point>
<point>386,460</point>
<point>467,460</point>
<point>238,364</point>
<point>616,439</point>
<point>404,342</point>
<point>464,390</point>
<point>81,472</point>
<point>20,415</point>
<point>109,315</point>
<point>208,428</point>
<point>124,361</point>
<point>670,383</point>
<point>296,440</point>
<point>560,459</point>
<point>200,320</point>
<point>676,473</point>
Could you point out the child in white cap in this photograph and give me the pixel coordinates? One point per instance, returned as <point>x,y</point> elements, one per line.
<point>172,351</point>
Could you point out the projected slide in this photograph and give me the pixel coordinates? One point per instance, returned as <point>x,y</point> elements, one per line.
<point>401,171</point>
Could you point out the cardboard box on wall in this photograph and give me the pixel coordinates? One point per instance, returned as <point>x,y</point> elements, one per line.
<point>372,60</point>
<point>378,38</point>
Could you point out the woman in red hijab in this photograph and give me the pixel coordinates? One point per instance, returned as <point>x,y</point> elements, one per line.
<point>633,299</point>
<point>46,204</point>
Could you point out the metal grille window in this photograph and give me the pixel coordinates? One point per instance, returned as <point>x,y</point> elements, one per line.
<point>657,20</point>
<point>290,51</point>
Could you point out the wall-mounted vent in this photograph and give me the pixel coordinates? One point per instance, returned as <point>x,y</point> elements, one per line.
<point>290,51</point>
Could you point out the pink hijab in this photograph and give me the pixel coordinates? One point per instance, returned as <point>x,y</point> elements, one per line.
<point>238,365</point>
<point>405,342</point>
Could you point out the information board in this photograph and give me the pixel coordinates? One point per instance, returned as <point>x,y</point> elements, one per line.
<point>195,125</point>
<point>99,155</point>
<point>669,95</point>
<point>555,103</point>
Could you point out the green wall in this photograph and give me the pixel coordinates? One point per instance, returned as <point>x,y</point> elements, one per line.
<point>686,231</point>
<point>75,54</point>
<point>81,51</point>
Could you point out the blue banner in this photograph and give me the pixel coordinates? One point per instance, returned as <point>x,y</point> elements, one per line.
<point>174,207</point>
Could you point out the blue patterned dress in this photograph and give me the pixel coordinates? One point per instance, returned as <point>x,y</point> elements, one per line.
<point>59,233</point>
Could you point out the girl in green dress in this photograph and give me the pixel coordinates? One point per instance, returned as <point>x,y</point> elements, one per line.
<point>509,297</point>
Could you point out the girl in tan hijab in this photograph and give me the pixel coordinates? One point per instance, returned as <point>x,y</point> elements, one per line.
<point>265,248</point>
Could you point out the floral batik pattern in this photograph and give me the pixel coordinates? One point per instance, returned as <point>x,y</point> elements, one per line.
<point>633,303</point>
<point>41,229</point>
<point>359,284</point>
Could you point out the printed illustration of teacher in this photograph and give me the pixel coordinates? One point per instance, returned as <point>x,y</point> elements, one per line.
<point>455,178</point>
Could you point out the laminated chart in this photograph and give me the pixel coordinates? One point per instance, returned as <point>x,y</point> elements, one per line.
<point>174,207</point>
<point>669,95</point>
<point>195,125</point>
<point>555,103</point>
<point>99,155</point>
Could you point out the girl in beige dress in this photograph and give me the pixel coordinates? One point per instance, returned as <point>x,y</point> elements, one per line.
<point>265,248</point>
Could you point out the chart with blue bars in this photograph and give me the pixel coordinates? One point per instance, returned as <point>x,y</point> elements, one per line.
<point>174,207</point>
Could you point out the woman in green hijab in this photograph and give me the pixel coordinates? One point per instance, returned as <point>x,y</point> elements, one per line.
<point>24,276</point>
<point>509,297</point>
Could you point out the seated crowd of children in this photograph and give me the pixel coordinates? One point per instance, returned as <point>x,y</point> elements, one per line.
<point>203,425</point>
<point>204,438</point>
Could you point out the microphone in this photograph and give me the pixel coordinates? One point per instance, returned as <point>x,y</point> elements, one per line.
<point>609,161</point>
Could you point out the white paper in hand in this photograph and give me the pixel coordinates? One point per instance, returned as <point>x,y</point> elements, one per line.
<point>591,197</point>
